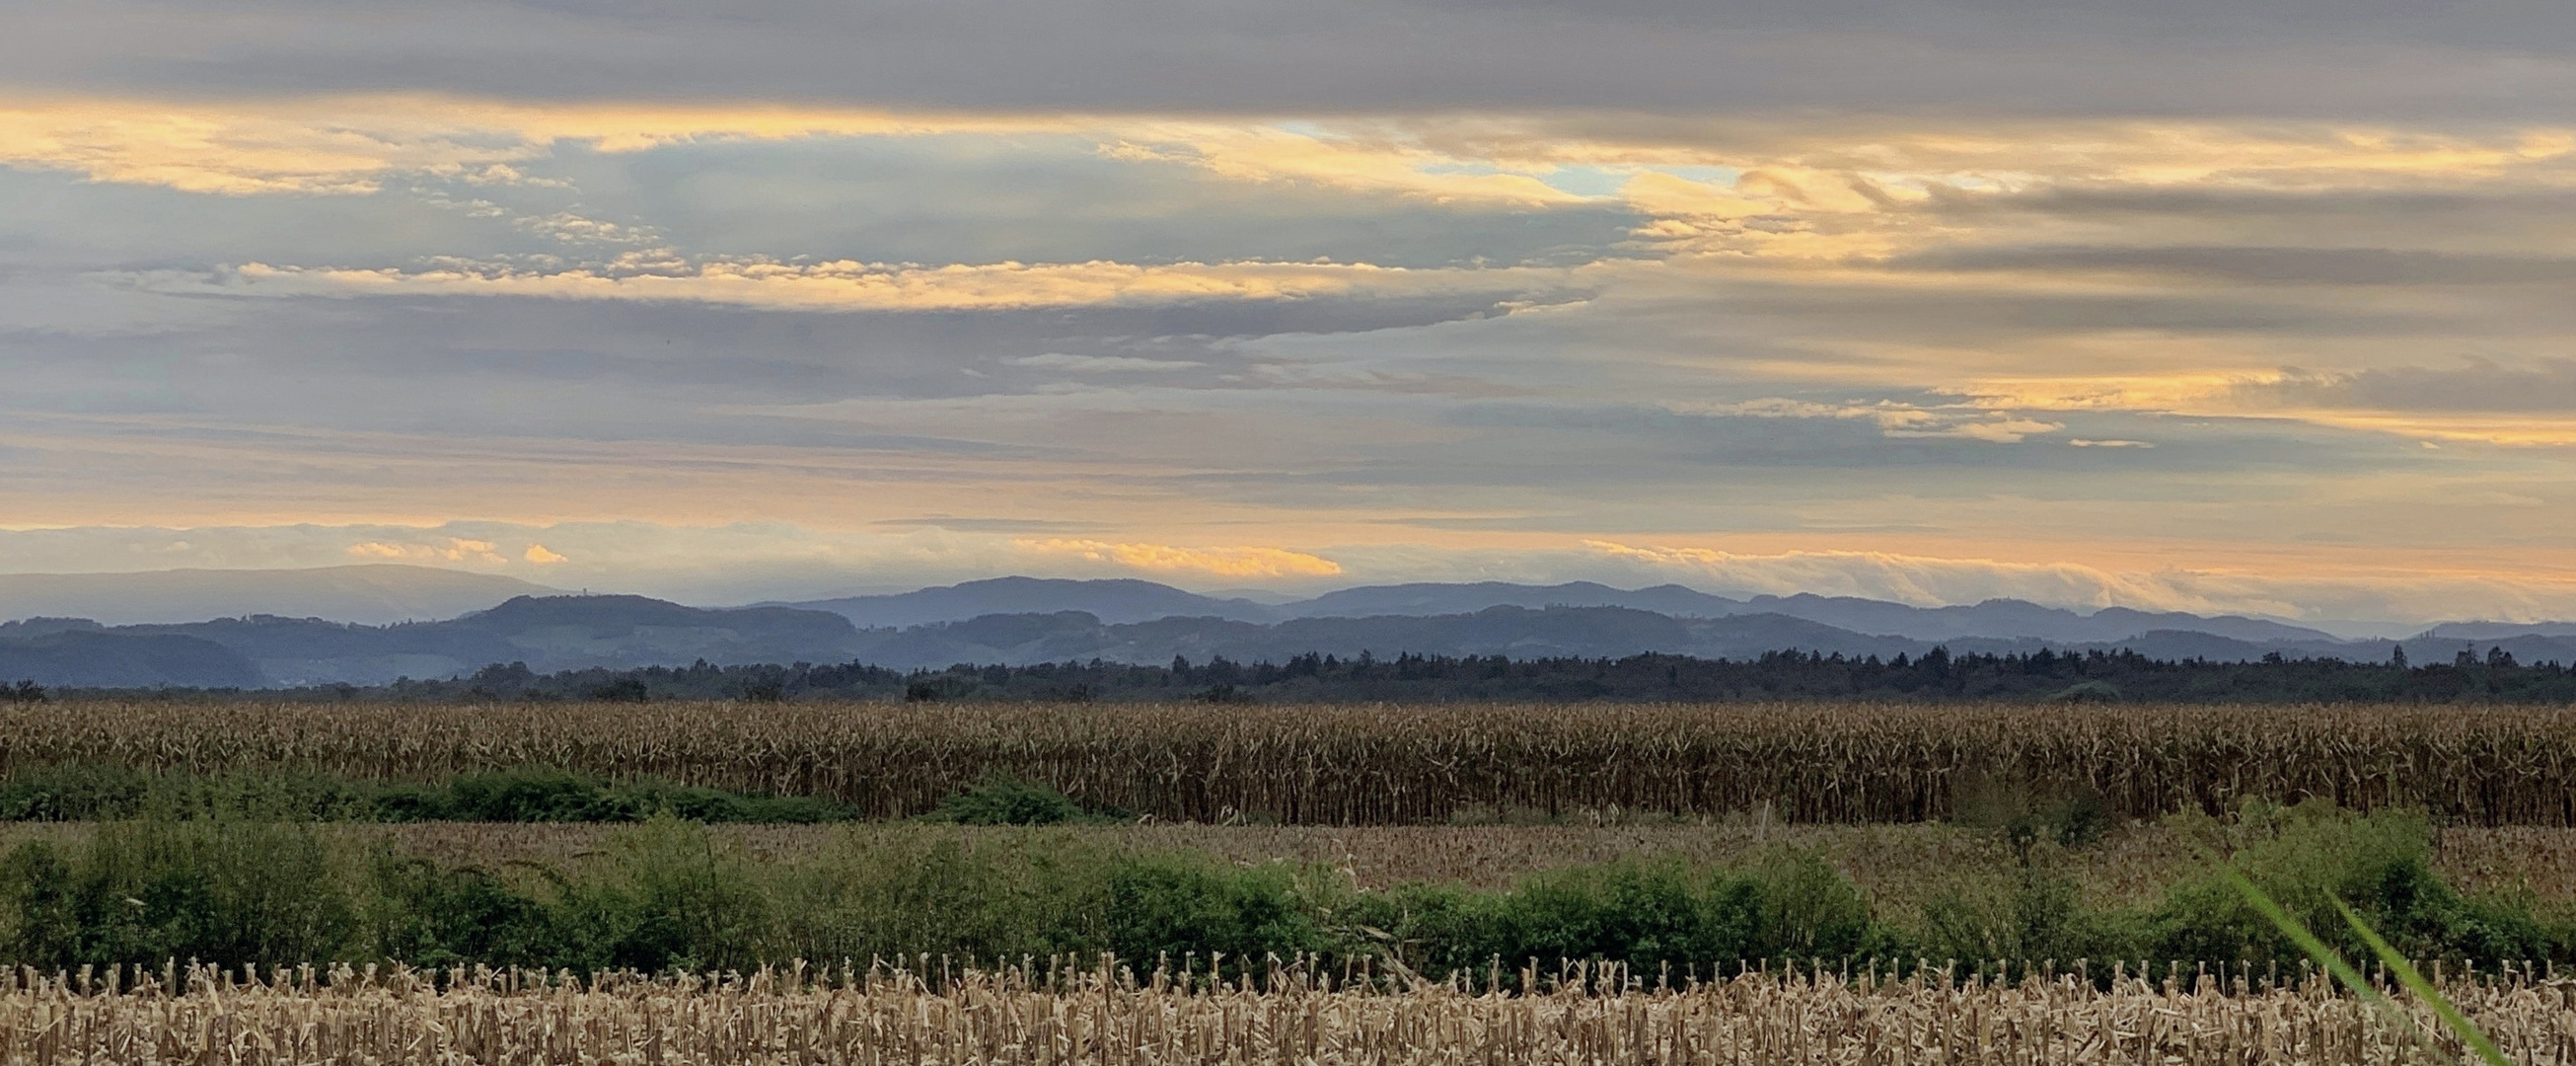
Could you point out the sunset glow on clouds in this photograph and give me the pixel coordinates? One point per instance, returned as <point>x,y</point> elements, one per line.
<point>2220,309</point>
<point>1216,562</point>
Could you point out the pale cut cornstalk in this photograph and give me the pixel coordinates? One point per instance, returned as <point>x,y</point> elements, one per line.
<point>1066,1013</point>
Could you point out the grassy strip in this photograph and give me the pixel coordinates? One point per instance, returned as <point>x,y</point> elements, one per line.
<point>669,893</point>
<point>85,792</point>
<point>92,792</point>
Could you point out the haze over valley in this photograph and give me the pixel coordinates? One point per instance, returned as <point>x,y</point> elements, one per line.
<point>261,640</point>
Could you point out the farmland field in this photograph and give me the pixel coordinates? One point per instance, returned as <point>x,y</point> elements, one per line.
<point>1382,884</point>
<point>1381,765</point>
<point>1048,1013</point>
<point>1896,865</point>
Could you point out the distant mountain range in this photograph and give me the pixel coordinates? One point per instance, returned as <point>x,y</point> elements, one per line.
<point>547,632</point>
<point>1028,620</point>
<point>1130,600</point>
<point>1112,600</point>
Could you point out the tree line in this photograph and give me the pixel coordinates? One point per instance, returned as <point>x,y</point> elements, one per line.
<point>1936,676</point>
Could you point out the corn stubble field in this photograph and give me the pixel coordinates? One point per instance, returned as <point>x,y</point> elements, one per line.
<point>1049,1013</point>
<point>1378,765</point>
<point>2508,775</point>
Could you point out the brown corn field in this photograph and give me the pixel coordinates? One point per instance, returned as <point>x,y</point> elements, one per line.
<point>1042,1013</point>
<point>1363,765</point>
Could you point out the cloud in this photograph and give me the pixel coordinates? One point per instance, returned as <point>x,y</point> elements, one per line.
<point>2300,57</point>
<point>2399,594</point>
<point>352,145</point>
<point>1894,420</point>
<point>571,228</point>
<point>2481,386</point>
<point>455,550</point>
<point>537,553</point>
<point>2260,265</point>
<point>745,562</point>
<point>1856,331</point>
<point>1239,562</point>
<point>1906,579</point>
<point>1101,364</point>
<point>349,145</point>
<point>851,286</point>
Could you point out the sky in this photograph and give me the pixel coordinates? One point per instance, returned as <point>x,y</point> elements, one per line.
<point>2257,307</point>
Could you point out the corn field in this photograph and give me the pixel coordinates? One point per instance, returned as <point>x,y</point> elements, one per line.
<point>1044,1013</point>
<point>1384,765</point>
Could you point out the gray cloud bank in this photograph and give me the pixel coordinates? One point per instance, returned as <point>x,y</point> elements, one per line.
<point>2484,60</point>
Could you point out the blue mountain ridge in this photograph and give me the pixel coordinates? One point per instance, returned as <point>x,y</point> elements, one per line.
<point>551,633</point>
<point>1131,600</point>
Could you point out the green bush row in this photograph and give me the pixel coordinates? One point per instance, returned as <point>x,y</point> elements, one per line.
<point>83,792</point>
<point>670,894</point>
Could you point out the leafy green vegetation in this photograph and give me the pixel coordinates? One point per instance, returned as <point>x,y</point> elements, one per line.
<point>2390,958</point>
<point>2314,861</point>
<point>95,792</point>
<point>1003,800</point>
<point>671,893</point>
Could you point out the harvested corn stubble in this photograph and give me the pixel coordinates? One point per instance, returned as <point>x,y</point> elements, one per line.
<point>1047,1012</point>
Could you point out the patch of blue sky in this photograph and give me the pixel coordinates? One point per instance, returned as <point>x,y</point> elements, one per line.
<point>1578,180</point>
<point>1586,180</point>
<point>1591,181</point>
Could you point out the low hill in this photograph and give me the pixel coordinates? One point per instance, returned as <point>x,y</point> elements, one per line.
<point>1124,601</point>
<point>546,632</point>
<point>558,633</point>
<point>1111,600</point>
<point>89,658</point>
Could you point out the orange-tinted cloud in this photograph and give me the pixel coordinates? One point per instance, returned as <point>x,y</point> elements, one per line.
<point>1249,562</point>
<point>454,550</point>
<point>848,285</point>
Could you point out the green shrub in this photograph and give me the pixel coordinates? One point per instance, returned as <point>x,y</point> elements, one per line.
<point>911,892</point>
<point>668,896</point>
<point>1004,800</point>
<point>150,891</point>
<point>1176,904</point>
<point>1811,909</point>
<point>2023,914</point>
<point>672,893</point>
<point>76,792</point>
<point>431,916</point>
<point>1645,914</point>
<point>2310,855</point>
<point>44,922</point>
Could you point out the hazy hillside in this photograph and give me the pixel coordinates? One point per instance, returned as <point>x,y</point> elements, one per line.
<point>547,633</point>
<point>1518,632</point>
<point>373,594</point>
<point>1437,598</point>
<point>94,659</point>
<point>554,633</point>
<point>2017,618</point>
<point>1113,600</point>
<point>2500,630</point>
<point>1128,600</point>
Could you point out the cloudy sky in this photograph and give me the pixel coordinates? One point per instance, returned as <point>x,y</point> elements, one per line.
<point>2189,304</point>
